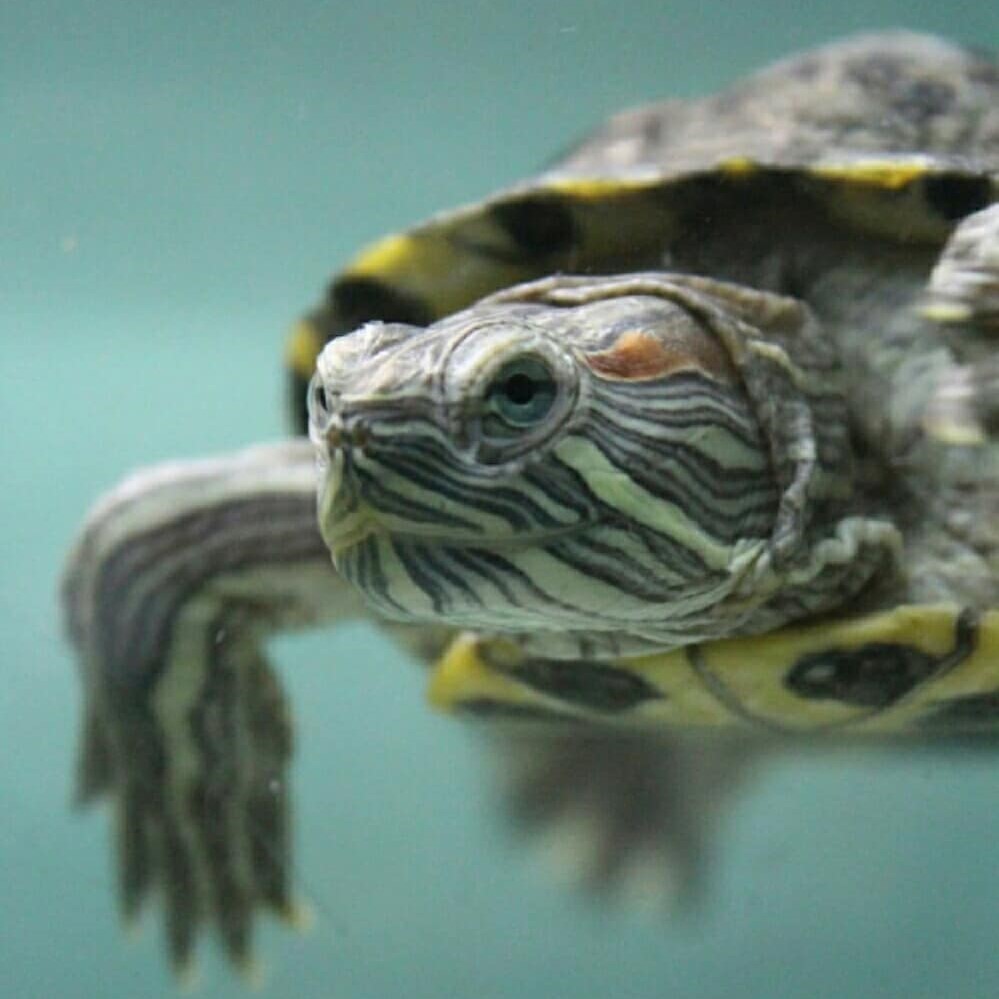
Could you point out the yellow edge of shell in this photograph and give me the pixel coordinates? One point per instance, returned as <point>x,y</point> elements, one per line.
<point>751,673</point>
<point>302,348</point>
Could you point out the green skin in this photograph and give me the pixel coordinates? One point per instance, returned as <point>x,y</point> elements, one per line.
<point>182,571</point>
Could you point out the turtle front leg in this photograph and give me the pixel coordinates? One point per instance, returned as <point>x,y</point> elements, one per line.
<point>963,292</point>
<point>964,285</point>
<point>179,575</point>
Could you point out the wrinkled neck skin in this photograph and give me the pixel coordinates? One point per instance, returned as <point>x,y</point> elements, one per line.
<point>943,497</point>
<point>866,293</point>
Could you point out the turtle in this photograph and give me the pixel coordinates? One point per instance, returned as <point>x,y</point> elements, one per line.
<point>684,448</point>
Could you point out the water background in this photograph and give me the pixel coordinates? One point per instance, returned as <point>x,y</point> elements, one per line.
<point>177,181</point>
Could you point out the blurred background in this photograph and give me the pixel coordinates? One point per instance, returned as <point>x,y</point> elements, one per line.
<point>178,183</point>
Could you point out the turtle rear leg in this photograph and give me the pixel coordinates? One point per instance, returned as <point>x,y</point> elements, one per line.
<point>626,807</point>
<point>628,814</point>
<point>963,293</point>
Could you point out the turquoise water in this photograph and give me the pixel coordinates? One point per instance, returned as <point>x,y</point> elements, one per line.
<point>178,182</point>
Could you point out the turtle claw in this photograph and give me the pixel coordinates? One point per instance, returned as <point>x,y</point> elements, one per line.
<point>299,915</point>
<point>578,851</point>
<point>187,975</point>
<point>252,972</point>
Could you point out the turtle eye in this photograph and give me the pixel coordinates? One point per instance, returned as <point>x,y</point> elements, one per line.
<point>523,392</point>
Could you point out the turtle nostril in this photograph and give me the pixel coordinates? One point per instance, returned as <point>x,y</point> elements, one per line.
<point>361,435</point>
<point>353,435</point>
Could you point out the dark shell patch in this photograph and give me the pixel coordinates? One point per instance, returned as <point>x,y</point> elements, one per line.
<point>357,300</point>
<point>596,686</point>
<point>953,196</point>
<point>871,676</point>
<point>538,226</point>
<point>877,674</point>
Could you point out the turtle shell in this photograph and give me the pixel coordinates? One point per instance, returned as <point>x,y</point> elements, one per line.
<point>893,134</point>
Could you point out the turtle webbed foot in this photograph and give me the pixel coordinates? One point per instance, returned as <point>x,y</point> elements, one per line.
<point>626,815</point>
<point>201,812</point>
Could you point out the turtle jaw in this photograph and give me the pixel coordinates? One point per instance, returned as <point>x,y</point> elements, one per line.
<point>417,564</point>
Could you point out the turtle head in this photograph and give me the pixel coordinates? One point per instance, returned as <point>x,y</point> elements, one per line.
<point>572,456</point>
<point>439,481</point>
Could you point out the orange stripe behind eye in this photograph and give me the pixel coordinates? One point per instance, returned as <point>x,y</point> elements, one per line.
<point>638,356</point>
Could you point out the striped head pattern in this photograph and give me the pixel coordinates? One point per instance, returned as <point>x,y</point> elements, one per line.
<point>575,460</point>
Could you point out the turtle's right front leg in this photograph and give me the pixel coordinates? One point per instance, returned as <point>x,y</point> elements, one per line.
<point>179,575</point>
<point>963,294</point>
<point>964,285</point>
<point>962,414</point>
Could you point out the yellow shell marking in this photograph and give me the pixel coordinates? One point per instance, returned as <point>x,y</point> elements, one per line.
<point>738,166</point>
<point>892,174</point>
<point>387,256</point>
<point>597,188</point>
<point>461,675</point>
<point>436,264</point>
<point>302,348</point>
<point>739,682</point>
